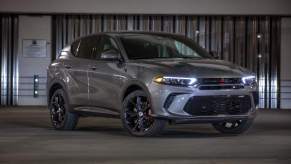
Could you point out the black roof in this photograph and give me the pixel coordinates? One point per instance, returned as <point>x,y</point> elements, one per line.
<point>120,33</point>
<point>125,33</point>
<point>141,32</point>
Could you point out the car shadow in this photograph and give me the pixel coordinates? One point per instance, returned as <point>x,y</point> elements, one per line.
<point>114,128</point>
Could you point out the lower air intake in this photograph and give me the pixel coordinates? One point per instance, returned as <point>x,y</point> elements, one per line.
<point>214,105</point>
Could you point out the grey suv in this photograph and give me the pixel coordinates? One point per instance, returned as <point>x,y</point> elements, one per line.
<point>148,80</point>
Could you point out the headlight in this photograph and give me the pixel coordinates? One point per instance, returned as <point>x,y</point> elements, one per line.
<point>249,81</point>
<point>177,81</point>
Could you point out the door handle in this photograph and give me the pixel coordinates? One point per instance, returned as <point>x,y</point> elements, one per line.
<point>93,68</point>
<point>68,66</point>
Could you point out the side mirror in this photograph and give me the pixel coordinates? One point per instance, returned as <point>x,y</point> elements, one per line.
<point>110,55</point>
<point>214,54</point>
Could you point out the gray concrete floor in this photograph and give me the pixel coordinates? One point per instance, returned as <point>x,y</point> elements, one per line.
<point>27,137</point>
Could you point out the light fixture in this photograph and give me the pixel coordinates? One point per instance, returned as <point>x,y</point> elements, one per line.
<point>197,32</point>
<point>260,56</point>
<point>35,85</point>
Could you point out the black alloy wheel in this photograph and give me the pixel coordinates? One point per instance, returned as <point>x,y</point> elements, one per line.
<point>136,115</point>
<point>58,110</point>
<point>61,117</point>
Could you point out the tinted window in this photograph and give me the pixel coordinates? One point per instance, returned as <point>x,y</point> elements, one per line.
<point>107,44</point>
<point>144,46</point>
<point>91,47</point>
<point>88,48</point>
<point>74,47</point>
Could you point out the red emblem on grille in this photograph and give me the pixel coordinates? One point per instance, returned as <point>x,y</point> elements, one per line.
<point>221,81</point>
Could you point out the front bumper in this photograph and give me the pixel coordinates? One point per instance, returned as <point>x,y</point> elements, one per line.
<point>206,119</point>
<point>174,110</point>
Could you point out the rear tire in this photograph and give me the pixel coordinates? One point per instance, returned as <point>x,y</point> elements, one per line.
<point>233,127</point>
<point>136,118</point>
<point>61,117</point>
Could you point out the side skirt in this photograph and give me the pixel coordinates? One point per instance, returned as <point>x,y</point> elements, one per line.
<point>96,112</point>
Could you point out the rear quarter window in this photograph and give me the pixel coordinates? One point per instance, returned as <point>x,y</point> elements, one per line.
<point>75,47</point>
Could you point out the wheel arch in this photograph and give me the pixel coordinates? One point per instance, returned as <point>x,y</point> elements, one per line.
<point>133,86</point>
<point>55,85</point>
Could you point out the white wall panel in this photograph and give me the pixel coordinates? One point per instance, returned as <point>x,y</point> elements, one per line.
<point>33,27</point>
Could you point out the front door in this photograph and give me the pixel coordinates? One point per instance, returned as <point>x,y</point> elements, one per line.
<point>106,78</point>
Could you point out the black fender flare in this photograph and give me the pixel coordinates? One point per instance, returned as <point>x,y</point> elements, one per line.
<point>134,83</point>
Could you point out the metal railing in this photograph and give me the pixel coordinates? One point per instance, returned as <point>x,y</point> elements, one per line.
<point>29,86</point>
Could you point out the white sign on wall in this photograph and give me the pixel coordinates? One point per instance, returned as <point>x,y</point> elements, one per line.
<point>34,48</point>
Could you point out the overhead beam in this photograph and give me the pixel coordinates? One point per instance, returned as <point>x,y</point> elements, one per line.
<point>195,7</point>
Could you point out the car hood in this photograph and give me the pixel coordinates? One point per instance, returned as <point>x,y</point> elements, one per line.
<point>195,67</point>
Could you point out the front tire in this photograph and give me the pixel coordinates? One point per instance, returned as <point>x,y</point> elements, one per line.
<point>136,115</point>
<point>233,127</point>
<point>61,117</point>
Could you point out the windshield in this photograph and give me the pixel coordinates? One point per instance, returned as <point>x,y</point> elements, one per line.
<point>145,46</point>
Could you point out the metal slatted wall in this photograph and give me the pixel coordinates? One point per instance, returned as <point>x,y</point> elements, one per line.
<point>8,59</point>
<point>250,41</point>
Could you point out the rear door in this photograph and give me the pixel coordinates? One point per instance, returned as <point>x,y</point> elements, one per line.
<point>77,68</point>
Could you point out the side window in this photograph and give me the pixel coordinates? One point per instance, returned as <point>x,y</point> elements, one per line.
<point>94,47</point>
<point>88,48</point>
<point>108,44</point>
<point>91,47</point>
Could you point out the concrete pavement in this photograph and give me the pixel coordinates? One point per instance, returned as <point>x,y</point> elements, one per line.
<point>27,137</point>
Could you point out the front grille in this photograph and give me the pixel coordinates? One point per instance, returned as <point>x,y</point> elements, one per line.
<point>220,83</point>
<point>217,87</point>
<point>214,81</point>
<point>214,105</point>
